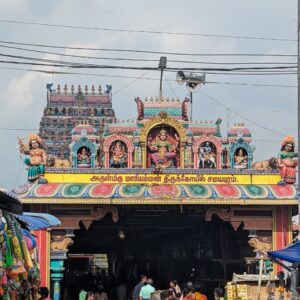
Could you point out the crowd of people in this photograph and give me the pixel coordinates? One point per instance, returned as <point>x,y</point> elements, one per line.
<point>145,290</point>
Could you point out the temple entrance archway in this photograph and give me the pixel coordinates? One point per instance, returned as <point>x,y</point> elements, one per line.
<point>166,243</point>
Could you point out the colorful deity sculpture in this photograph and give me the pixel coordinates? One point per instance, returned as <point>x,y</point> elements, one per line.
<point>287,162</point>
<point>118,155</point>
<point>83,158</point>
<point>207,156</point>
<point>240,159</point>
<point>37,161</point>
<point>163,149</point>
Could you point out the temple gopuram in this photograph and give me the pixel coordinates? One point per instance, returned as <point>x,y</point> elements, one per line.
<point>158,194</point>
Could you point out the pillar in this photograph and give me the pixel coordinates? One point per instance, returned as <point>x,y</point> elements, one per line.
<point>61,240</point>
<point>282,229</point>
<point>57,274</point>
<point>43,245</point>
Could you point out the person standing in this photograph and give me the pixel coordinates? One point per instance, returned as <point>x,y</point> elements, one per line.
<point>198,292</point>
<point>218,292</point>
<point>100,294</point>
<point>121,291</point>
<point>137,288</point>
<point>175,291</point>
<point>44,293</point>
<point>147,290</point>
<point>188,294</point>
<point>90,296</point>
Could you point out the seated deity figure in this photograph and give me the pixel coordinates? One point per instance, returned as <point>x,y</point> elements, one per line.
<point>240,159</point>
<point>163,149</point>
<point>83,158</point>
<point>207,158</point>
<point>118,156</point>
<point>37,161</point>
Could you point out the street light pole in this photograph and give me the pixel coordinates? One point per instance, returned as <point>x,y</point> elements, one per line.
<point>162,65</point>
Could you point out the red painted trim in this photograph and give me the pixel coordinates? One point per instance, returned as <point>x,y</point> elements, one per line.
<point>282,229</point>
<point>43,245</point>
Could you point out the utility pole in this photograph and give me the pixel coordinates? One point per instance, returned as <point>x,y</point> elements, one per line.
<point>227,129</point>
<point>298,117</point>
<point>191,107</point>
<point>295,274</point>
<point>162,65</point>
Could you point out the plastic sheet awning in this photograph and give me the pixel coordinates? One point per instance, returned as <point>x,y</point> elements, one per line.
<point>10,202</point>
<point>38,221</point>
<point>290,254</point>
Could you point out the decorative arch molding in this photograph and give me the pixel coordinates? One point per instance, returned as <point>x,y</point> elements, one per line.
<point>93,213</point>
<point>241,143</point>
<point>84,142</point>
<point>207,138</point>
<point>113,138</point>
<point>162,119</point>
<point>250,222</point>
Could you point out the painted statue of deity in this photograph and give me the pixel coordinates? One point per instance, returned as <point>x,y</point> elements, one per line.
<point>84,158</point>
<point>240,159</point>
<point>37,160</point>
<point>287,162</point>
<point>207,156</point>
<point>164,149</point>
<point>118,155</point>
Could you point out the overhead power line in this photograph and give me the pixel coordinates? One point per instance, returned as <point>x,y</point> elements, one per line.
<point>18,129</point>
<point>148,51</point>
<point>220,103</point>
<point>270,70</point>
<point>142,78</point>
<point>144,59</point>
<point>72,66</point>
<point>148,31</point>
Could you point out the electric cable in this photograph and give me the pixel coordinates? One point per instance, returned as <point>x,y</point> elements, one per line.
<point>144,78</point>
<point>144,59</point>
<point>148,31</point>
<point>242,116</point>
<point>130,83</point>
<point>148,51</point>
<point>59,63</point>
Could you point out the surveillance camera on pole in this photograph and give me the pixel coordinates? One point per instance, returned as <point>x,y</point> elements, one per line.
<point>193,84</point>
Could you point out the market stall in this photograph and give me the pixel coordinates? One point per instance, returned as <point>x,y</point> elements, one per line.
<point>19,259</point>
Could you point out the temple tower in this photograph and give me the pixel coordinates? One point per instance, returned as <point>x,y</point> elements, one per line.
<point>67,107</point>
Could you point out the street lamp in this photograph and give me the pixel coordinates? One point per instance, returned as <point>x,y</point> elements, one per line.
<point>193,84</point>
<point>162,65</point>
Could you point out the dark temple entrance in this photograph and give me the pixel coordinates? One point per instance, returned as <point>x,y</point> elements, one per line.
<point>164,242</point>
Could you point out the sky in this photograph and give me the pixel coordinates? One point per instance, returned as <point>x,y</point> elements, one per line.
<point>270,112</point>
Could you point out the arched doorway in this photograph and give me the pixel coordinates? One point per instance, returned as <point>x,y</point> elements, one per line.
<point>163,243</point>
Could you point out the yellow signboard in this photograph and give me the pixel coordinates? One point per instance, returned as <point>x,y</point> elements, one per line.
<point>128,178</point>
